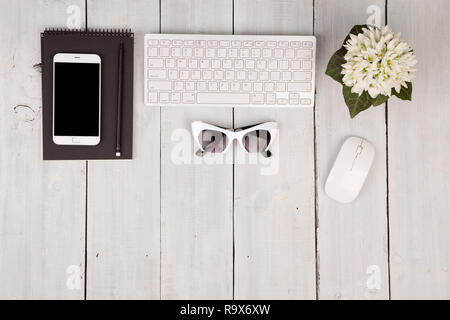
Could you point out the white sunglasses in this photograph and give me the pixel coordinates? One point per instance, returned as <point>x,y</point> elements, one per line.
<point>214,139</point>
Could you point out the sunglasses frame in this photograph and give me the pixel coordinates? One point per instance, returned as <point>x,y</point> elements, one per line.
<point>236,134</point>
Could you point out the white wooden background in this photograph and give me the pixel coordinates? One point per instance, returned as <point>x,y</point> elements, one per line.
<point>152,229</point>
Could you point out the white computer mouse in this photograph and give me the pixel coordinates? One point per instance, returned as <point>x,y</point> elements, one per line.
<point>350,170</point>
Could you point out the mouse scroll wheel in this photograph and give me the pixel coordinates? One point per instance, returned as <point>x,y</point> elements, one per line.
<point>359,149</point>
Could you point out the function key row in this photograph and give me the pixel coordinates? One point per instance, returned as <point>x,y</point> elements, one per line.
<point>228,43</point>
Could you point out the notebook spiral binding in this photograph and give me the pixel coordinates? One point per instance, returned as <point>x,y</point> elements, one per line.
<point>89,31</point>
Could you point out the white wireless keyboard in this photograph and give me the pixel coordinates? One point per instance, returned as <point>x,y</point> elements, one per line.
<point>229,70</point>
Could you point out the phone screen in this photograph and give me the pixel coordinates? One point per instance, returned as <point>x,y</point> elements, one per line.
<point>76,97</point>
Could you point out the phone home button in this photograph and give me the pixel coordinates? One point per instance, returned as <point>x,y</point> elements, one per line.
<point>75,140</point>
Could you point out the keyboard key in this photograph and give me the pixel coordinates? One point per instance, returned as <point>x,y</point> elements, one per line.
<point>201,86</point>
<point>195,74</point>
<point>269,87</point>
<point>188,42</point>
<point>164,97</point>
<point>235,86</point>
<point>159,85</point>
<point>257,98</point>
<point>271,98</point>
<point>239,64</point>
<point>283,64</point>
<point>152,52</point>
<point>232,53</point>
<point>221,52</point>
<point>275,75</point>
<point>302,76</point>
<point>170,63</point>
<point>290,53</point>
<point>164,52</point>
<point>187,52</point>
<point>278,53</point>
<point>258,87</point>
<point>259,43</point>
<point>215,64</point>
<point>175,97</point>
<point>213,86</point>
<point>207,75</point>
<point>246,86</point>
<point>200,43</point>
<point>219,98</point>
<point>304,53</point>
<point>307,64</point>
<point>224,43</point>
<point>218,75</point>
<point>193,63</point>
<point>244,53</point>
<point>211,43</point>
<point>250,64</point>
<point>181,63</point>
<point>224,86</point>
<point>307,44</point>
<point>252,75</point>
<point>296,44</point>
<point>299,86</point>
<point>155,63</point>
<point>177,42</point>
<point>184,74</point>
<point>240,75</point>
<point>296,64</point>
<point>152,42</point>
<point>236,43</point>
<point>283,43</point>
<point>273,64</point>
<point>176,52</point>
<point>271,43</point>
<point>173,74</point>
<point>286,76</point>
<point>153,97</point>
<point>267,53</point>
<point>190,85</point>
<point>227,64</point>
<point>261,64</point>
<point>199,52</point>
<point>188,97</point>
<point>210,53</point>
<point>178,85</point>
<point>229,75</point>
<point>305,101</point>
<point>256,53</point>
<point>248,43</point>
<point>157,74</point>
<point>164,42</point>
<point>264,76</point>
<point>204,64</point>
<point>280,87</point>
<point>282,101</point>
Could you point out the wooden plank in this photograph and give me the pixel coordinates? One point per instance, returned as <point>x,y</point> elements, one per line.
<point>274,200</point>
<point>123,258</point>
<point>196,199</point>
<point>419,156</point>
<point>352,238</point>
<point>41,203</point>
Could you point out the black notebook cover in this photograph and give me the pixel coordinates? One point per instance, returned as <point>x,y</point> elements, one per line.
<point>106,44</point>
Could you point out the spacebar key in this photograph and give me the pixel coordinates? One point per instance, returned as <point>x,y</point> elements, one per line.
<point>223,98</point>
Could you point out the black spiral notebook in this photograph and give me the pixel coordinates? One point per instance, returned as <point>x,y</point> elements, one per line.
<point>106,44</point>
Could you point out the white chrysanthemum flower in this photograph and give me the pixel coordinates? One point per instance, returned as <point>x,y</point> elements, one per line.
<point>377,61</point>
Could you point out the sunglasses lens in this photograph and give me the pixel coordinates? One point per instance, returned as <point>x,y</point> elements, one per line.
<point>256,141</point>
<point>213,141</point>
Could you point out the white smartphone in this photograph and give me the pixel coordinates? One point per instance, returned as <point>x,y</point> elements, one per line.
<point>76,99</point>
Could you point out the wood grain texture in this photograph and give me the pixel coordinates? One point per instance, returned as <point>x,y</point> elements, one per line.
<point>123,257</point>
<point>196,199</point>
<point>351,237</point>
<point>274,198</point>
<point>41,203</point>
<point>419,157</point>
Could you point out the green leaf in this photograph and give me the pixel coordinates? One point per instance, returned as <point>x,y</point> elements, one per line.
<point>405,93</point>
<point>334,66</point>
<point>355,30</point>
<point>355,102</point>
<point>380,99</point>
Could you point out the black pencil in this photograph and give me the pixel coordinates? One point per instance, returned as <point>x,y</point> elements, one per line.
<point>119,102</point>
